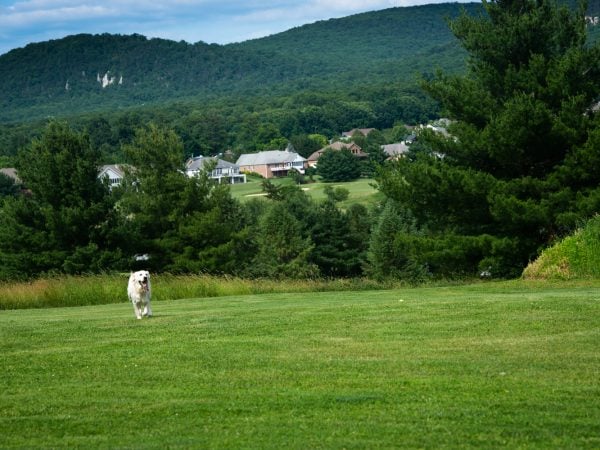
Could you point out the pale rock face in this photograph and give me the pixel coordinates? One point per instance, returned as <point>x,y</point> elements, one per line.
<point>107,80</point>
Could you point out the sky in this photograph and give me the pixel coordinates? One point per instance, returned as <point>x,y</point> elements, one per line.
<point>211,21</point>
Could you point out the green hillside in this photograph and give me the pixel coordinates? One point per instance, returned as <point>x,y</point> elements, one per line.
<point>575,257</point>
<point>83,73</point>
<point>97,73</point>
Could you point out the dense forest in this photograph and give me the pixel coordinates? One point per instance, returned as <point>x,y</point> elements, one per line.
<point>110,72</point>
<point>518,170</point>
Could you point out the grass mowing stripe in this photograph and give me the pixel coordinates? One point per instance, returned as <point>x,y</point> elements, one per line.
<point>485,366</point>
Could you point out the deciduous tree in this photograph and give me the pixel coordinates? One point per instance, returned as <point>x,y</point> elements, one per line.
<point>338,165</point>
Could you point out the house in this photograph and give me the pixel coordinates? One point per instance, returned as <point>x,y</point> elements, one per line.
<point>272,163</point>
<point>337,146</point>
<point>411,138</point>
<point>397,150</point>
<point>364,131</point>
<point>221,171</point>
<point>114,172</point>
<point>439,126</point>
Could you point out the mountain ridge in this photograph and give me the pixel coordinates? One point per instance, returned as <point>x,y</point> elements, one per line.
<point>85,72</point>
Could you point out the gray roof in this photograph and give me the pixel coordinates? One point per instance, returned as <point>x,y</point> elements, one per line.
<point>396,149</point>
<point>198,163</point>
<point>268,157</point>
<point>363,131</point>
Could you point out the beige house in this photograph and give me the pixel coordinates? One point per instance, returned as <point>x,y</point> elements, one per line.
<point>337,146</point>
<point>272,163</point>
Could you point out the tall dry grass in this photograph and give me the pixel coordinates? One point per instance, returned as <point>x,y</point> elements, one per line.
<point>63,291</point>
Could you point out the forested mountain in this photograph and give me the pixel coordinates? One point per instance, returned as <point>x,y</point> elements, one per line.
<point>84,73</point>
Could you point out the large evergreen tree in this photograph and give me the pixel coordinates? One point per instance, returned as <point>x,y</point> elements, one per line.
<point>66,222</point>
<point>282,249</point>
<point>185,224</point>
<point>521,162</point>
<point>339,237</point>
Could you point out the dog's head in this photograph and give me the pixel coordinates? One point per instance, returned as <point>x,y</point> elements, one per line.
<point>141,279</point>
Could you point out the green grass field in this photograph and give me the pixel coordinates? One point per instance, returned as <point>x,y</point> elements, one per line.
<point>361,191</point>
<point>491,365</point>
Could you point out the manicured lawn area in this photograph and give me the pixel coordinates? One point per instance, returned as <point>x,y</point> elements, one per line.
<point>361,191</point>
<point>513,365</point>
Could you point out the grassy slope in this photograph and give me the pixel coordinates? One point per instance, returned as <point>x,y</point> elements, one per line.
<point>575,257</point>
<point>492,365</point>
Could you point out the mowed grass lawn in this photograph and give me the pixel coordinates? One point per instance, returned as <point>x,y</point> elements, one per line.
<point>360,191</point>
<point>512,364</point>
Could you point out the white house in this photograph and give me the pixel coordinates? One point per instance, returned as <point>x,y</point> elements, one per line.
<point>114,173</point>
<point>221,170</point>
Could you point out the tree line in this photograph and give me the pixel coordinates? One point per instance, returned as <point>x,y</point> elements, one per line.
<point>307,120</point>
<point>70,221</point>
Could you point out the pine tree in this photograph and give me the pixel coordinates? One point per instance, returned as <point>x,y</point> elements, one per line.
<point>385,258</point>
<point>339,236</point>
<point>282,250</point>
<point>65,223</point>
<point>520,162</point>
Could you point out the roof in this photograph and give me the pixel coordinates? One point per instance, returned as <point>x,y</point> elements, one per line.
<point>363,131</point>
<point>11,172</point>
<point>396,149</point>
<point>339,146</point>
<point>198,162</point>
<point>117,169</point>
<point>268,157</point>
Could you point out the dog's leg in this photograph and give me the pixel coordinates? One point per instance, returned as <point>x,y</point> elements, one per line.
<point>148,309</point>
<point>137,310</point>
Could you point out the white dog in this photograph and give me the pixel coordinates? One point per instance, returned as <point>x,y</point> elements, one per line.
<point>139,291</point>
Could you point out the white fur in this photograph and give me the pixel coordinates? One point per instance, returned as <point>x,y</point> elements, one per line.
<point>139,292</point>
